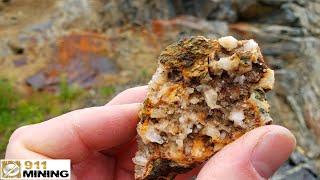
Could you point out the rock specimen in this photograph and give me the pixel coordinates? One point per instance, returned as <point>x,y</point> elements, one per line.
<point>205,94</point>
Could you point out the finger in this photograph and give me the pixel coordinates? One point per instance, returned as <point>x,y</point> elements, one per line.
<point>125,155</point>
<point>256,155</point>
<point>76,134</point>
<point>132,95</point>
<point>23,152</point>
<point>125,164</point>
<point>96,166</point>
<point>124,175</point>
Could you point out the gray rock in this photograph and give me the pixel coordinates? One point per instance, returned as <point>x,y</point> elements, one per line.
<point>37,81</point>
<point>20,62</point>
<point>135,11</point>
<point>295,174</point>
<point>297,167</point>
<point>308,15</point>
<point>298,158</point>
<point>224,11</point>
<point>296,99</point>
<point>104,65</point>
<point>198,8</point>
<point>83,70</point>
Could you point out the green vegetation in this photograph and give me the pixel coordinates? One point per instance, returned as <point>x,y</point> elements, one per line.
<point>17,110</point>
<point>107,91</point>
<point>144,75</point>
<point>68,94</point>
<point>144,72</point>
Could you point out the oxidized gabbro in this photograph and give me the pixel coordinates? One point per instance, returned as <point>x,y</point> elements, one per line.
<point>205,94</point>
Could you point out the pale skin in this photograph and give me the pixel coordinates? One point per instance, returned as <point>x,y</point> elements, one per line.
<point>100,141</point>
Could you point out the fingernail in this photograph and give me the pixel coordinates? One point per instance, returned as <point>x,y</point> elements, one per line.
<point>272,151</point>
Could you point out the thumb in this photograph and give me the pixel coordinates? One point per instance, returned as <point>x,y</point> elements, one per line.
<point>256,155</point>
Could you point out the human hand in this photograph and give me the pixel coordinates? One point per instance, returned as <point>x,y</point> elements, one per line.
<point>100,142</point>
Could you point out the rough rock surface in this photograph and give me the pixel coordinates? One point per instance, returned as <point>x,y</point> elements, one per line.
<point>288,32</point>
<point>296,168</point>
<point>205,94</point>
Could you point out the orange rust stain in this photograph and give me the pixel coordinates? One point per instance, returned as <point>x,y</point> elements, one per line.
<point>78,44</point>
<point>159,26</point>
<point>202,117</point>
<point>53,73</point>
<point>236,135</point>
<point>177,155</point>
<point>199,150</point>
<point>144,127</point>
<point>171,94</point>
<point>150,37</point>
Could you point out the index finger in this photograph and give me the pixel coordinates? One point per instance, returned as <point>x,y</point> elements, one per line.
<point>132,95</point>
<point>76,134</point>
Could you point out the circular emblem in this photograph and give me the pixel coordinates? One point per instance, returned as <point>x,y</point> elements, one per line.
<point>10,169</point>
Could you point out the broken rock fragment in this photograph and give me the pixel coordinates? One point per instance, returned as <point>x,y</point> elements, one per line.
<point>205,94</point>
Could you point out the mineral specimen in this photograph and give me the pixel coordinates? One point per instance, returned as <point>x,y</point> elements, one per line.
<point>205,94</point>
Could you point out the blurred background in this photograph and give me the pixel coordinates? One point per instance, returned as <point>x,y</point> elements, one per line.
<point>60,55</point>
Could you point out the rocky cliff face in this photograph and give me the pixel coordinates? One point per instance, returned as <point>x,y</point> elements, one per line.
<point>288,31</point>
<point>135,31</point>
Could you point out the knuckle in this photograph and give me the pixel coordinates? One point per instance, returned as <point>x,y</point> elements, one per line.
<point>133,90</point>
<point>128,91</point>
<point>18,133</point>
<point>124,93</point>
